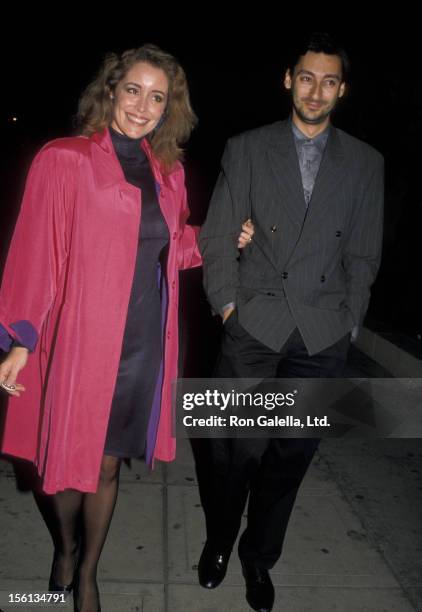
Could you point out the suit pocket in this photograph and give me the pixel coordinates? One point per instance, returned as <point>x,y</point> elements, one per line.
<point>232,327</point>
<point>329,301</point>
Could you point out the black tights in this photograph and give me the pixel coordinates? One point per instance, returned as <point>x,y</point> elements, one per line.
<point>80,522</point>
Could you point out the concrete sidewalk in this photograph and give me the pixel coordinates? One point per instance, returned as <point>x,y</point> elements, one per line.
<point>354,542</point>
<point>345,550</point>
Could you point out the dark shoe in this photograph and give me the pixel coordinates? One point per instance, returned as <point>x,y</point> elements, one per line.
<point>212,567</point>
<point>55,586</point>
<point>259,588</point>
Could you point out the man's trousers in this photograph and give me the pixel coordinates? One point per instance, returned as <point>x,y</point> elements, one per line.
<point>270,470</point>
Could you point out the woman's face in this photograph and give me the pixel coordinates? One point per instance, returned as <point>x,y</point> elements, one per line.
<point>140,100</point>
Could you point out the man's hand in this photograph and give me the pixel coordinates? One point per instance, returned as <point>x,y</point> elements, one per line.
<point>227,312</point>
<point>245,236</point>
<point>10,368</point>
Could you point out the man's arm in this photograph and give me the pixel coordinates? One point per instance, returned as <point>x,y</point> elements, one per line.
<point>362,255</point>
<point>229,207</point>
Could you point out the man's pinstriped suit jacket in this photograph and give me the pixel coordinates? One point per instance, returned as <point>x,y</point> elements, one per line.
<point>311,268</point>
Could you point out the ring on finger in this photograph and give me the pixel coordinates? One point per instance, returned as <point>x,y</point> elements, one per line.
<point>8,387</point>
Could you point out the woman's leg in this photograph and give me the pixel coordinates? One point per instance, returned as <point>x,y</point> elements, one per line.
<point>97,511</point>
<point>61,513</point>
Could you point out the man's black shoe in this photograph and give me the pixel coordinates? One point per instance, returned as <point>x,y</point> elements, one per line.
<point>212,567</point>
<point>259,588</point>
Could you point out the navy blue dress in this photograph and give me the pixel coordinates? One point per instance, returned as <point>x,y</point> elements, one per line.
<point>142,341</point>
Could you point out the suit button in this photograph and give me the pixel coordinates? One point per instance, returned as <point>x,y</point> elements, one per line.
<point>338,233</point>
<point>173,285</point>
<point>271,294</point>
<point>285,275</point>
<point>273,228</point>
<point>174,235</point>
<point>322,279</point>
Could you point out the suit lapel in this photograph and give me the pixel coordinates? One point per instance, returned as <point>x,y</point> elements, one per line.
<point>284,166</point>
<point>330,175</point>
<point>285,169</point>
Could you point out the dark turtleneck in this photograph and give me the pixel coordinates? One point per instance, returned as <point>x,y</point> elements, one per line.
<point>127,148</point>
<point>137,171</point>
<point>132,157</point>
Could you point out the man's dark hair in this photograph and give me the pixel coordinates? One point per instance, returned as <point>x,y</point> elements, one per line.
<point>319,42</point>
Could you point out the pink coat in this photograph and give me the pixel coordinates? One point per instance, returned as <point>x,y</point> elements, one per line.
<point>69,273</point>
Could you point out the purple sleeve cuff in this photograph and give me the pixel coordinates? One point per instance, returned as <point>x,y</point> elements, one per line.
<point>5,339</point>
<point>26,335</point>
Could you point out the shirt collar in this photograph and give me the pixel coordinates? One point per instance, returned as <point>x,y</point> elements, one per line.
<point>319,141</point>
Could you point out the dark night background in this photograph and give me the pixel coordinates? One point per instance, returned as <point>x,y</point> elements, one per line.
<point>235,77</point>
<point>235,70</point>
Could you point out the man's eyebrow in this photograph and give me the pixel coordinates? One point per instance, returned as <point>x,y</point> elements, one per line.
<point>332,76</point>
<point>326,76</point>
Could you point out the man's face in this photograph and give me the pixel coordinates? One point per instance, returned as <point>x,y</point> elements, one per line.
<point>316,86</point>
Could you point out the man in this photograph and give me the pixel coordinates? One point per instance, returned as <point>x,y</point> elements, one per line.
<point>291,300</point>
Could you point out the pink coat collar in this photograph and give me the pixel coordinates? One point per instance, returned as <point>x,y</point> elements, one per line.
<point>107,168</point>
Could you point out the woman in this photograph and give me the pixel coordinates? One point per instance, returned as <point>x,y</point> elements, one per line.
<point>91,289</point>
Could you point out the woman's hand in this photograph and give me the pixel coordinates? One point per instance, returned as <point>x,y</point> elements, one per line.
<point>10,368</point>
<point>246,234</point>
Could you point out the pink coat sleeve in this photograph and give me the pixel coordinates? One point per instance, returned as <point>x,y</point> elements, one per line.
<point>189,255</point>
<point>38,248</point>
